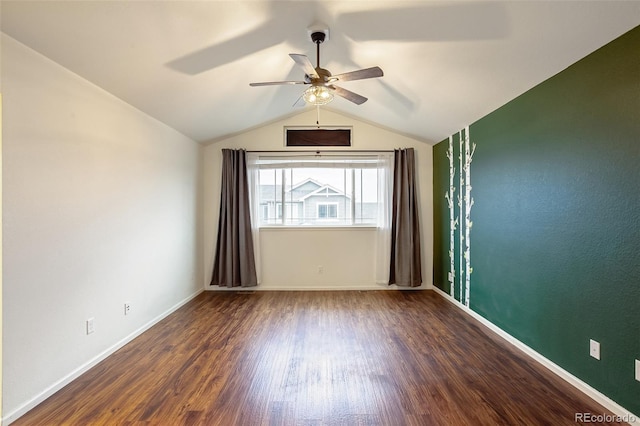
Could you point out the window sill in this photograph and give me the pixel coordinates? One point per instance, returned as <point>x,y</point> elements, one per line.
<point>272,228</point>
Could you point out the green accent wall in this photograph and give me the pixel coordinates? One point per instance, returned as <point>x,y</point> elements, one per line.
<point>555,242</point>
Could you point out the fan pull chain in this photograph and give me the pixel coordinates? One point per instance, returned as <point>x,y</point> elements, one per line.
<point>318,116</point>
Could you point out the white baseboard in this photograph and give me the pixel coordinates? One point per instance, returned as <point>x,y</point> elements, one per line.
<point>24,408</point>
<point>592,393</point>
<point>318,287</point>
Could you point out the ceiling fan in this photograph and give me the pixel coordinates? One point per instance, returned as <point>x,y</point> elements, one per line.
<point>321,81</point>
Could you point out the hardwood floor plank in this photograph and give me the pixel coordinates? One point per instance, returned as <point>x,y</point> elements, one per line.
<point>315,358</point>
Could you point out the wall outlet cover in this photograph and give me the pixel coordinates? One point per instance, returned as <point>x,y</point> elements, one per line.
<point>594,349</point>
<point>638,370</point>
<point>91,325</point>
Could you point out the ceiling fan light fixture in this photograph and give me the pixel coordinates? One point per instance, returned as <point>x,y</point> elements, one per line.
<point>318,95</point>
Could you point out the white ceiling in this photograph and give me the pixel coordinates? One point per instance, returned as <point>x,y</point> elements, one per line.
<point>189,63</point>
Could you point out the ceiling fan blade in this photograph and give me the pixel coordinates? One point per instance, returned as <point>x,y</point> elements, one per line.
<point>305,64</point>
<point>276,83</point>
<point>372,72</point>
<point>349,95</point>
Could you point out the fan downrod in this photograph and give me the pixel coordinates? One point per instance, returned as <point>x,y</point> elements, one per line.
<point>318,38</point>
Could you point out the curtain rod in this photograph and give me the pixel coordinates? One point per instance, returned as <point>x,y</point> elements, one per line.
<point>314,151</point>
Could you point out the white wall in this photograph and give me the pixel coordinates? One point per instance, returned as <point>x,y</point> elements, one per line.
<point>101,206</point>
<point>348,256</point>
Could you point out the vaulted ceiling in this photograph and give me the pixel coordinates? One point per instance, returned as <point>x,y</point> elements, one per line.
<point>189,63</point>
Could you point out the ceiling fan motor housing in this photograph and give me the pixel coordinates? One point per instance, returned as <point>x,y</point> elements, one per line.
<point>324,75</point>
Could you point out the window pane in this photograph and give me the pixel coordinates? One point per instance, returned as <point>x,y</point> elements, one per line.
<point>367,196</point>
<point>271,196</point>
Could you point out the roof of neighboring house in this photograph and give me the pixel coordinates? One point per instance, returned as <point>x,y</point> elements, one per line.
<point>325,191</point>
<point>300,191</point>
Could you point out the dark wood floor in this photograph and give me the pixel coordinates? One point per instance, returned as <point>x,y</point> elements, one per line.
<point>316,358</point>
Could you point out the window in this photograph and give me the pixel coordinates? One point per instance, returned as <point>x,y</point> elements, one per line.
<point>319,190</point>
<point>327,210</point>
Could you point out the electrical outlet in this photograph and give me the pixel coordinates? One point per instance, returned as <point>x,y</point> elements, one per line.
<point>594,349</point>
<point>320,269</point>
<point>127,308</point>
<point>91,327</point>
<point>638,370</point>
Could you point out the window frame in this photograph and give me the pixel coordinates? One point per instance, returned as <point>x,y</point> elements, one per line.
<point>283,165</point>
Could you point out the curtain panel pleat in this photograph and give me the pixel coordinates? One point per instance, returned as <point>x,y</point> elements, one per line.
<point>253,174</point>
<point>234,262</point>
<point>383,229</point>
<point>406,259</point>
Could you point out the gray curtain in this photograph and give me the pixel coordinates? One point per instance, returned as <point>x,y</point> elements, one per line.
<point>406,265</point>
<point>234,263</point>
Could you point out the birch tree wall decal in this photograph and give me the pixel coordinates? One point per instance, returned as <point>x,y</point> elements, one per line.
<point>466,149</point>
<point>469,150</point>
<point>453,220</point>
<point>460,210</point>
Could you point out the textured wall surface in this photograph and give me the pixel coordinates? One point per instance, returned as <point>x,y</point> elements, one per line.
<point>556,229</point>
